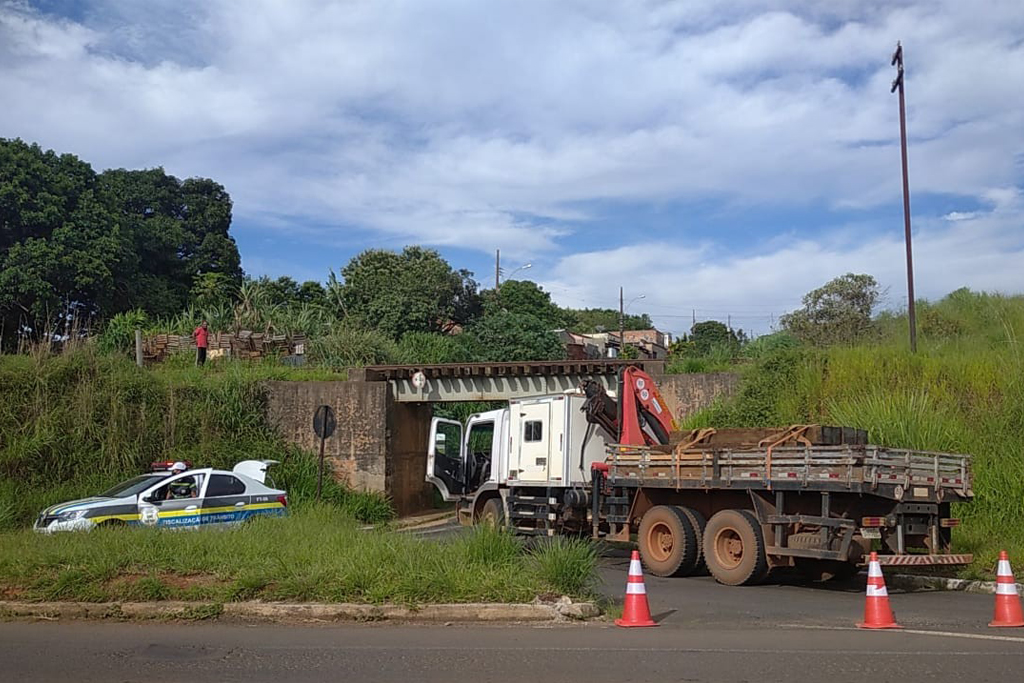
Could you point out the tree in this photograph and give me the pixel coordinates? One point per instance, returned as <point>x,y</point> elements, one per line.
<point>179,230</point>
<point>711,334</point>
<point>414,291</point>
<point>525,297</point>
<point>61,253</point>
<point>585,320</point>
<point>837,313</point>
<point>503,336</point>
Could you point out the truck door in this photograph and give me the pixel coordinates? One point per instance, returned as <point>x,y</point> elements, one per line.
<point>446,459</point>
<point>534,441</point>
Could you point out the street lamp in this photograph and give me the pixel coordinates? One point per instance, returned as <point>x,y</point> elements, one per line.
<point>622,319</point>
<point>525,266</point>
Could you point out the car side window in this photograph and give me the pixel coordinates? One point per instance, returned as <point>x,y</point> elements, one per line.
<point>179,488</point>
<point>224,485</point>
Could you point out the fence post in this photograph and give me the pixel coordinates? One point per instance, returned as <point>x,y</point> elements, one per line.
<point>138,348</point>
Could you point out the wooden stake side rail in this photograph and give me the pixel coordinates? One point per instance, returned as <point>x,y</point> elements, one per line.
<point>858,468</point>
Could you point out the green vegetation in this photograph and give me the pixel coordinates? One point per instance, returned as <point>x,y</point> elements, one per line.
<point>75,424</point>
<point>316,554</point>
<point>962,392</point>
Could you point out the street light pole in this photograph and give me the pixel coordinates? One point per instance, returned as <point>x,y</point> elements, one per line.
<point>897,61</point>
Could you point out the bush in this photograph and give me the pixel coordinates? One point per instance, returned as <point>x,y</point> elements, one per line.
<point>348,346</point>
<point>119,332</point>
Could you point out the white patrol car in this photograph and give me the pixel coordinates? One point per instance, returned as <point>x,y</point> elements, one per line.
<point>192,499</point>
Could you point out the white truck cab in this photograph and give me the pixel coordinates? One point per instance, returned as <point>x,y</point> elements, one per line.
<point>543,441</point>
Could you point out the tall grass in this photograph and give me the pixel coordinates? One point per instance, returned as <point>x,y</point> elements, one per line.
<point>316,554</point>
<point>963,391</point>
<point>75,424</point>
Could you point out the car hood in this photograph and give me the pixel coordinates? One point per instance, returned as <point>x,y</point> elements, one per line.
<point>81,504</point>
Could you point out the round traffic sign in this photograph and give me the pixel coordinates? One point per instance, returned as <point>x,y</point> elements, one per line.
<point>324,422</point>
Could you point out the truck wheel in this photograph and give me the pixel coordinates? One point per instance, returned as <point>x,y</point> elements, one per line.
<point>668,542</point>
<point>734,548</point>
<point>492,514</point>
<point>699,523</point>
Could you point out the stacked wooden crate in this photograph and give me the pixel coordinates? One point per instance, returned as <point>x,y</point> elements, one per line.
<point>243,345</point>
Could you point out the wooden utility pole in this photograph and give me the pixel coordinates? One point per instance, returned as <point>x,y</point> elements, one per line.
<point>622,324</point>
<point>897,61</point>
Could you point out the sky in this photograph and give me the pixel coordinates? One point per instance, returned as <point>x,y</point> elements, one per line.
<point>719,158</point>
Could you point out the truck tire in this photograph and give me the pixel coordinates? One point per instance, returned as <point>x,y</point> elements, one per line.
<point>492,514</point>
<point>734,548</point>
<point>668,542</point>
<point>699,523</point>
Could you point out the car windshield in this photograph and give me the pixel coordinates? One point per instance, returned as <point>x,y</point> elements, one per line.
<point>133,486</point>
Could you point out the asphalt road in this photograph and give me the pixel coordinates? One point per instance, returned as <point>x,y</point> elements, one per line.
<point>87,652</point>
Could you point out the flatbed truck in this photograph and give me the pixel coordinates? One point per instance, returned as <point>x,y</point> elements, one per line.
<point>738,502</point>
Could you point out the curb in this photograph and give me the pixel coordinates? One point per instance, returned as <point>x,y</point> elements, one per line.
<point>275,612</point>
<point>936,583</point>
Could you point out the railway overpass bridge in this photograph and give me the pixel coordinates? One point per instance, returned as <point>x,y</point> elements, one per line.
<point>383,412</point>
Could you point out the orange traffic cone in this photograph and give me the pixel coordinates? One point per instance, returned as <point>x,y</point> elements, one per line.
<point>635,612</point>
<point>876,610</point>
<point>1008,612</point>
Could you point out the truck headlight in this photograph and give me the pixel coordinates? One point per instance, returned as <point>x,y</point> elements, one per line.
<point>71,516</point>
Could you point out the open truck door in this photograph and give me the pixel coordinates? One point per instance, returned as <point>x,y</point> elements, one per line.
<point>446,462</point>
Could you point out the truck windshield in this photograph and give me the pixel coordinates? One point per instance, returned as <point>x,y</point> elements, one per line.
<point>133,486</point>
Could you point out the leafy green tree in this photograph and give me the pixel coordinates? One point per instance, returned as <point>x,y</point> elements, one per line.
<point>503,336</point>
<point>586,320</point>
<point>212,289</point>
<point>77,244</point>
<point>414,291</point>
<point>61,254</point>
<point>179,230</point>
<point>837,313</point>
<point>709,334</point>
<point>525,296</point>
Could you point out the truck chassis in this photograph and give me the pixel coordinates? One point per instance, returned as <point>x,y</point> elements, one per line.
<point>743,512</point>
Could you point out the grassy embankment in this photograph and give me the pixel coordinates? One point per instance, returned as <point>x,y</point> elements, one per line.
<point>963,392</point>
<point>317,554</point>
<point>76,424</point>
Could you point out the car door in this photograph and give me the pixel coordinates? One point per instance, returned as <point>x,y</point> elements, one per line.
<point>226,501</point>
<point>445,458</point>
<point>166,505</point>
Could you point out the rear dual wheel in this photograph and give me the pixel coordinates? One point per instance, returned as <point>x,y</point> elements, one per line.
<point>734,548</point>
<point>668,540</point>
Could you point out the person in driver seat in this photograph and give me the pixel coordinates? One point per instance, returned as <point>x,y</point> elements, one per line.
<point>183,488</point>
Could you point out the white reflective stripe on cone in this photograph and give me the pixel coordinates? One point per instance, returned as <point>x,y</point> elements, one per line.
<point>1006,589</point>
<point>877,591</point>
<point>1004,568</point>
<point>635,589</point>
<point>874,570</point>
<point>634,568</point>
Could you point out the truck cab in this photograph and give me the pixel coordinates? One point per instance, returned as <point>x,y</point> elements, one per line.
<point>535,447</point>
<point>461,459</point>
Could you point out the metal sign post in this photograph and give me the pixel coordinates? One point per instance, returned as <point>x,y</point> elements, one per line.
<point>324,425</point>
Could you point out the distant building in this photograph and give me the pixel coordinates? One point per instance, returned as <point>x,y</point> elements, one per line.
<point>652,344</point>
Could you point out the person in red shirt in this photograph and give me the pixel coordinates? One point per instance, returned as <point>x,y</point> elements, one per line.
<point>201,335</point>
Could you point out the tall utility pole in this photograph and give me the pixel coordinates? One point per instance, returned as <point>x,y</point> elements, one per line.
<point>497,268</point>
<point>897,61</point>
<point>622,324</point>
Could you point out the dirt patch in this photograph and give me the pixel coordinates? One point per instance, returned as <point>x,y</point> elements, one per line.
<point>11,592</point>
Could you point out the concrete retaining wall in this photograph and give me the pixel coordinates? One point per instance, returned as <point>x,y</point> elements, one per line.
<point>686,394</point>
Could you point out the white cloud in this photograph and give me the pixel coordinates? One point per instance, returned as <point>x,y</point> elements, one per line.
<point>511,123</point>
<point>983,252</point>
